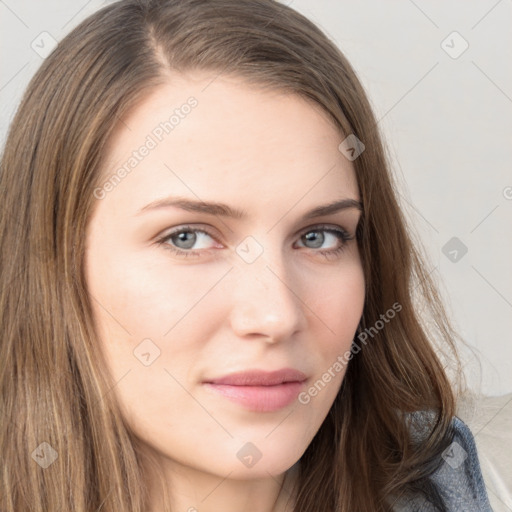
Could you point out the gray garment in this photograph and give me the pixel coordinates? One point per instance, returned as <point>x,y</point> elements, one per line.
<point>458,479</point>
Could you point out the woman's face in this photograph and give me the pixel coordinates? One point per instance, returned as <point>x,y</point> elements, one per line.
<point>271,288</point>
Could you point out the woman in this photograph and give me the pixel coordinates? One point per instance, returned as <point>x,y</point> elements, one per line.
<point>208,288</point>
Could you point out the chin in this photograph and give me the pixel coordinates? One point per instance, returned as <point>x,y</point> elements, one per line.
<point>261,470</point>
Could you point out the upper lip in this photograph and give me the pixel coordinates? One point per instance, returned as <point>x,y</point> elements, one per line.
<point>260,378</point>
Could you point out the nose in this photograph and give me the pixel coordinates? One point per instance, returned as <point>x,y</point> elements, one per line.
<point>266,301</point>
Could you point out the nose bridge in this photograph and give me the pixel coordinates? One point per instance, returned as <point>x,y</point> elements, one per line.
<point>265,301</point>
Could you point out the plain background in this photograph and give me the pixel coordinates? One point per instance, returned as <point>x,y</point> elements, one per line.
<point>439,77</point>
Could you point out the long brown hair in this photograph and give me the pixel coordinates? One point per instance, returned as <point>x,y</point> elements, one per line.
<point>54,386</point>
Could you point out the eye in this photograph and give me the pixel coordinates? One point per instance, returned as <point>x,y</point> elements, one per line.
<point>186,240</point>
<point>336,237</point>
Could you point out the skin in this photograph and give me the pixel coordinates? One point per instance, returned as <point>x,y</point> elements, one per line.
<point>275,156</point>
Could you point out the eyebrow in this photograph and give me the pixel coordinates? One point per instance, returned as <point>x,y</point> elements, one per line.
<point>223,210</point>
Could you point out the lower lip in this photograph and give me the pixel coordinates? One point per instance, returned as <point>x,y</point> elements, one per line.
<point>259,398</point>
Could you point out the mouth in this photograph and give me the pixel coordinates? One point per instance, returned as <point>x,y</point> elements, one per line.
<point>259,391</point>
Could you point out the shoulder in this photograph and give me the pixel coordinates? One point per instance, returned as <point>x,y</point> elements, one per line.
<point>458,478</point>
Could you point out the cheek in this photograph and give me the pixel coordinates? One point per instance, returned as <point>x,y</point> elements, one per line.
<point>154,321</point>
<point>338,304</point>
<point>136,297</point>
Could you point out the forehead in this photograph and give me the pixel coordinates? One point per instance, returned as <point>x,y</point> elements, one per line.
<point>221,138</point>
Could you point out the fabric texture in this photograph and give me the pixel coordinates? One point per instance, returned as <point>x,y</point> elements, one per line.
<point>490,421</point>
<point>458,479</point>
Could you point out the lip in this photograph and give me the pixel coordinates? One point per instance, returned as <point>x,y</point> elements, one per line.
<point>260,391</point>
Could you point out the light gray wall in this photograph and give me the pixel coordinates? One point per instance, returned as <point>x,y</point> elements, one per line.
<point>446,115</point>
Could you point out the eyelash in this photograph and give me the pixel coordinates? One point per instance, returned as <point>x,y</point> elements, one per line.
<point>340,233</point>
